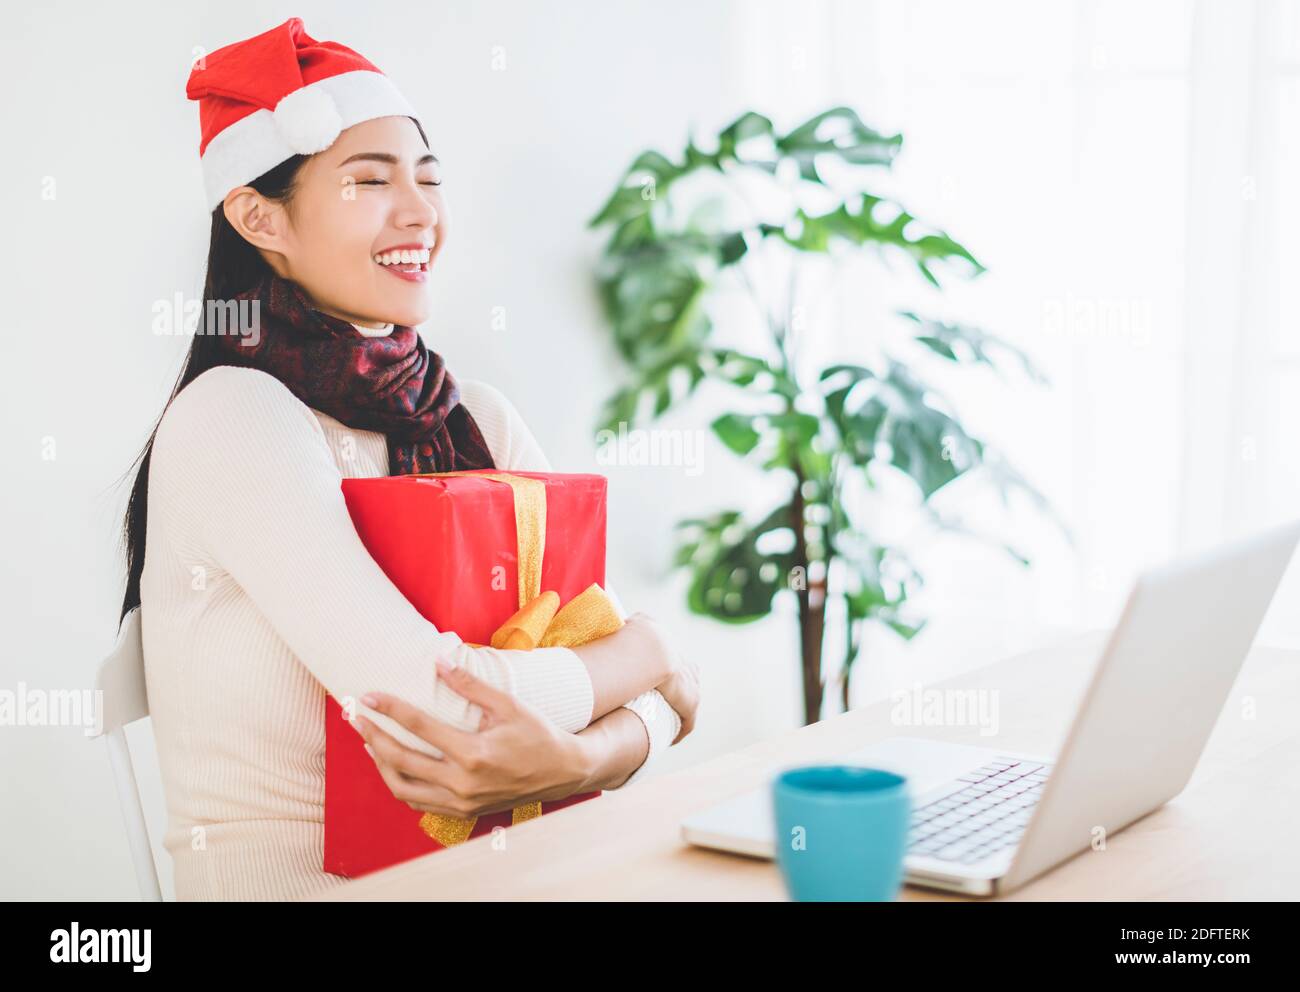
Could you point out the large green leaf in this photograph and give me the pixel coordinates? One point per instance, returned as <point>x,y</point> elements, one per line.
<point>653,293</point>
<point>893,412</point>
<point>731,578</point>
<point>869,222</point>
<point>656,306</point>
<point>837,132</point>
<point>742,130</point>
<point>737,432</point>
<point>646,180</point>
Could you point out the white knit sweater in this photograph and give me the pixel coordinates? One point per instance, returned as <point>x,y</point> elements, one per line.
<point>258,596</point>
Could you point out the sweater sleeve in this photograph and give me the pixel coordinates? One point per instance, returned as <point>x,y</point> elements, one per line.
<point>662,724</point>
<point>254,490</point>
<point>498,418</point>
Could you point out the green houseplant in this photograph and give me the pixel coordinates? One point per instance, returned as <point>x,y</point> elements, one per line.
<point>832,430</point>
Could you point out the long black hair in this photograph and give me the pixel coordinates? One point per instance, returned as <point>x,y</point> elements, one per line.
<point>234,265</point>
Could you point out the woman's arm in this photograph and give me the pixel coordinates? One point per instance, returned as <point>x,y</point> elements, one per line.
<point>623,668</point>
<point>660,723</point>
<point>618,747</point>
<point>248,485</point>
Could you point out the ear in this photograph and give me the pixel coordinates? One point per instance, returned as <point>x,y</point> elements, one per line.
<point>259,221</point>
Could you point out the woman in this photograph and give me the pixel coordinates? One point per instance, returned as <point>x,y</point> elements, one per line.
<point>257,595</point>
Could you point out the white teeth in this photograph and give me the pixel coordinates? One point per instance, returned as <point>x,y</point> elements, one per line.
<point>406,257</point>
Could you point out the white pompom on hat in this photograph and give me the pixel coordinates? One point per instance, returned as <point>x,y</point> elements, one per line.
<point>280,94</point>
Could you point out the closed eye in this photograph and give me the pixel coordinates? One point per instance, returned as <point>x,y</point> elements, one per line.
<point>384,182</point>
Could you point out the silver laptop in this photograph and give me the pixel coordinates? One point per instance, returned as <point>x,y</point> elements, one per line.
<point>987,821</point>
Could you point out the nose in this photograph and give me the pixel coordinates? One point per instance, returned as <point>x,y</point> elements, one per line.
<point>414,209</point>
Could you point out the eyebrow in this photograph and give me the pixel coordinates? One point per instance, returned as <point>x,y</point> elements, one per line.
<point>386,158</point>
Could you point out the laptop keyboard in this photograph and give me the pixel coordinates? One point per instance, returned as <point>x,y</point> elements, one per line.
<point>988,815</point>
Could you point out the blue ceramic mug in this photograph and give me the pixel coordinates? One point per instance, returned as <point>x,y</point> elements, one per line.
<point>841,832</point>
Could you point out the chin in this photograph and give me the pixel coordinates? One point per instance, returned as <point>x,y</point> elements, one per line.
<point>411,317</point>
<point>400,313</point>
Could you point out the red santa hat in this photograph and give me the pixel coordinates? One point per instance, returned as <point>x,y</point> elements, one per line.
<point>280,94</point>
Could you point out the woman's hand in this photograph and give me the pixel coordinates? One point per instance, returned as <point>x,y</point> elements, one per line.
<point>622,665</point>
<point>516,756</point>
<point>681,687</point>
<point>682,691</point>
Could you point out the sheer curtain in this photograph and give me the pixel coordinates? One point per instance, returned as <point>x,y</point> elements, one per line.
<point>1120,169</point>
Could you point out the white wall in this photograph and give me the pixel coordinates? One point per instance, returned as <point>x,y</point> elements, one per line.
<point>1066,143</point>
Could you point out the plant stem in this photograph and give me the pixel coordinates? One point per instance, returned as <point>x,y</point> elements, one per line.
<point>835,506</point>
<point>812,610</point>
<point>812,596</point>
<point>850,653</point>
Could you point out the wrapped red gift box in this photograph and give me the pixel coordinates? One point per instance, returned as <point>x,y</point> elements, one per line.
<point>449,543</point>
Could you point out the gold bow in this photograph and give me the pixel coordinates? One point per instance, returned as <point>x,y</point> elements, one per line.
<point>539,621</point>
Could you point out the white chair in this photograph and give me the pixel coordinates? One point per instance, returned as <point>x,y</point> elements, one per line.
<point>122,686</point>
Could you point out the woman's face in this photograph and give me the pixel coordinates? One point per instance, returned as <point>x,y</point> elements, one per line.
<point>371,192</point>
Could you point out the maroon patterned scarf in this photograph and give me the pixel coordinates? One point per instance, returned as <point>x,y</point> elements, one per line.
<point>391,384</point>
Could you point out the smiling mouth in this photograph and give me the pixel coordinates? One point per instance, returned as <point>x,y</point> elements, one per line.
<point>411,264</point>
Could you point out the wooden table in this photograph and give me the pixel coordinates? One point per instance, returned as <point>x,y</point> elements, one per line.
<point>1227,836</point>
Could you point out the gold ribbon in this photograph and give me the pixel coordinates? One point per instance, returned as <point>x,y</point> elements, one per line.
<point>539,621</point>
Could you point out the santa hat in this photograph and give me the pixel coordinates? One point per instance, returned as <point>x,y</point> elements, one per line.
<point>280,94</point>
